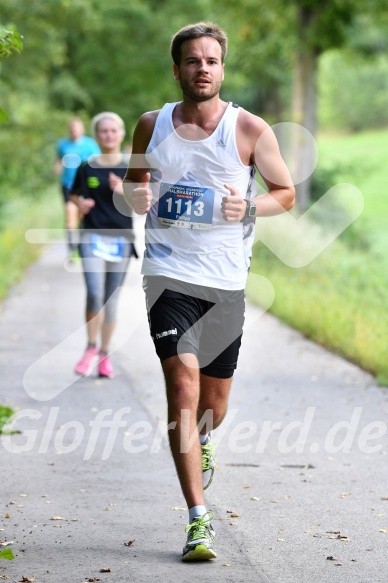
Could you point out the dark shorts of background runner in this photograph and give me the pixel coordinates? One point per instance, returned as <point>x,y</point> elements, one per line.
<point>188,318</point>
<point>66,193</point>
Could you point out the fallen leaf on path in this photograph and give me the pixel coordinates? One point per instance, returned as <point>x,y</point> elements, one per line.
<point>178,508</point>
<point>312,533</point>
<point>226,565</point>
<point>7,555</point>
<point>105,570</point>
<point>338,565</point>
<point>331,558</point>
<point>309,531</point>
<point>27,580</point>
<point>57,518</point>
<point>281,540</point>
<point>6,542</point>
<point>255,498</point>
<point>385,498</point>
<point>383,530</point>
<point>23,495</point>
<point>129,543</point>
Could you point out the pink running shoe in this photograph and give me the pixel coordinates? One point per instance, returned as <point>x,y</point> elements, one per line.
<point>87,362</point>
<point>105,368</point>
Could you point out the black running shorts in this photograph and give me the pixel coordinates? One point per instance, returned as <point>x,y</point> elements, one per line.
<point>188,318</point>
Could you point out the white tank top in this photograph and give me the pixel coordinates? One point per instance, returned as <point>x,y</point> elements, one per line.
<point>186,235</point>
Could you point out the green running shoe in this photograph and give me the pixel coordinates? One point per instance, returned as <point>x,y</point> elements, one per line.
<point>200,539</point>
<point>208,463</point>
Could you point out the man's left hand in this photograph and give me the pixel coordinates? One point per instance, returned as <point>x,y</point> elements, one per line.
<point>233,206</point>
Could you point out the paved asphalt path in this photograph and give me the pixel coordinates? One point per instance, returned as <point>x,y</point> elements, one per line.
<point>300,494</point>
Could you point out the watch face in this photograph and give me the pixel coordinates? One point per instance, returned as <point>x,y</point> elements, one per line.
<point>251,209</point>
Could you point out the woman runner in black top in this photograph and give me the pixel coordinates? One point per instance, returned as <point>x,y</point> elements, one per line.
<point>106,243</point>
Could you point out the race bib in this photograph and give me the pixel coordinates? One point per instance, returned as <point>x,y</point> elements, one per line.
<point>106,247</point>
<point>189,207</point>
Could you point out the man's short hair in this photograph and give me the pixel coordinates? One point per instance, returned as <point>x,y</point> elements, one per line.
<point>198,30</point>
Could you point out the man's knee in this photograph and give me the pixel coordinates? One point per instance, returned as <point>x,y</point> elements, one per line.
<point>182,383</point>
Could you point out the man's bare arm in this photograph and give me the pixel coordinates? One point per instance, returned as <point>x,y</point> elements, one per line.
<point>257,145</point>
<point>136,181</point>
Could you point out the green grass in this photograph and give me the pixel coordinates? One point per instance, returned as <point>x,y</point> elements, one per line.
<point>366,156</point>
<point>340,299</point>
<point>5,414</point>
<point>19,215</point>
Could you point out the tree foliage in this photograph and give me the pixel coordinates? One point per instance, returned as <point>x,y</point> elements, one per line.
<point>85,56</point>
<point>10,41</point>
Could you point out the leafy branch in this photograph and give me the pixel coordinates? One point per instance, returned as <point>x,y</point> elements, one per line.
<point>10,41</point>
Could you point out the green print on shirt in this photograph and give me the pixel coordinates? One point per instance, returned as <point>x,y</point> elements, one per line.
<point>93,182</point>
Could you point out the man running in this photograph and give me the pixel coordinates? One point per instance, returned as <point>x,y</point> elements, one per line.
<point>192,173</point>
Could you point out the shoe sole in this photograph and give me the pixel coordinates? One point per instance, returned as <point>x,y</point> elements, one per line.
<point>106,376</point>
<point>200,553</point>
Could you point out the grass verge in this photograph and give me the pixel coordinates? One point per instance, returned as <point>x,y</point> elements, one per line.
<point>339,300</point>
<point>19,215</point>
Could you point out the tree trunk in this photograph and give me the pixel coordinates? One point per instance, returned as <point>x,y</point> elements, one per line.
<point>304,108</point>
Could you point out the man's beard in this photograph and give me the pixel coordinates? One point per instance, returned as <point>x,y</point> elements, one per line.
<point>190,91</point>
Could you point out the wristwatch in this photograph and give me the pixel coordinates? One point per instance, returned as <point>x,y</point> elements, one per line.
<point>250,210</point>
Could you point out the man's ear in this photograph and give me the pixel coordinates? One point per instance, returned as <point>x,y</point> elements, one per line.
<point>176,72</point>
<point>223,72</point>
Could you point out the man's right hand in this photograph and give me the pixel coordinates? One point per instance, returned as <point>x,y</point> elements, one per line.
<point>141,197</point>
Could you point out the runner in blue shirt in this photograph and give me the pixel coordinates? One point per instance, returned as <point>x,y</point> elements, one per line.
<point>71,151</point>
